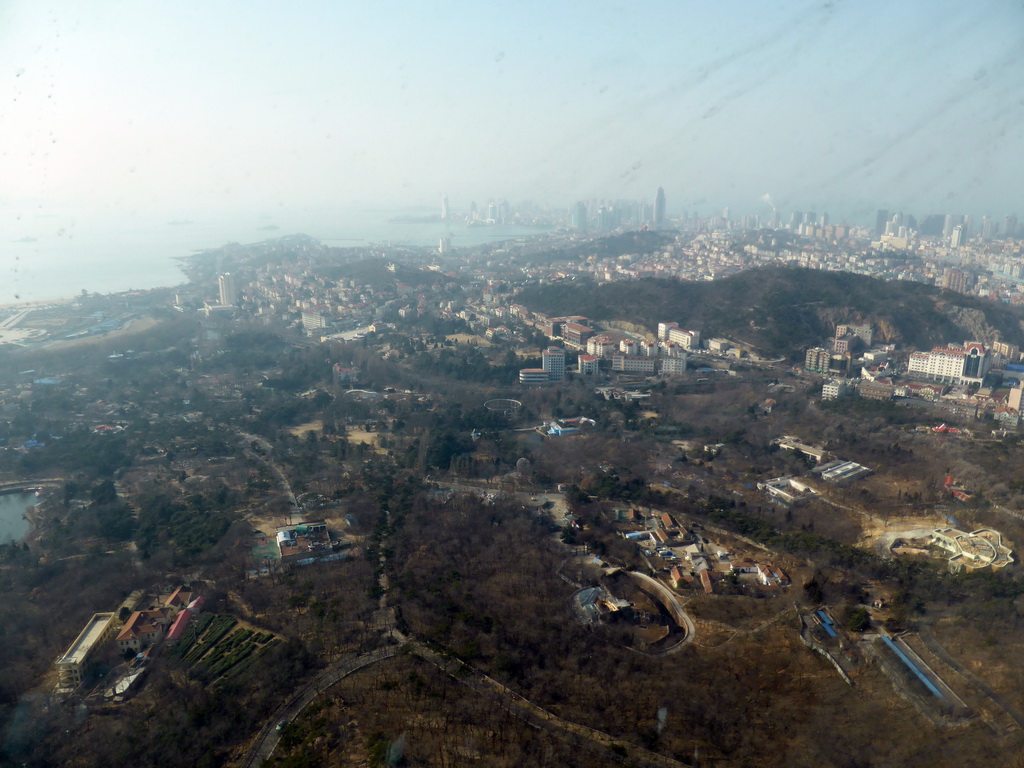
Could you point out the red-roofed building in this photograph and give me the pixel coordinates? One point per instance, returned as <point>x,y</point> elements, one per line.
<point>678,576</point>
<point>177,630</point>
<point>178,599</point>
<point>576,333</point>
<point>742,568</point>
<point>143,628</point>
<point>770,575</point>
<point>588,365</point>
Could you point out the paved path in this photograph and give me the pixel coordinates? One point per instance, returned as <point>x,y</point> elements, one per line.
<point>737,632</point>
<point>937,648</point>
<point>528,711</point>
<point>268,738</point>
<point>537,716</point>
<point>22,485</point>
<point>265,458</point>
<point>671,601</point>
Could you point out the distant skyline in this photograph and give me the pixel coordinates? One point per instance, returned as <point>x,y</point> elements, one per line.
<point>263,109</point>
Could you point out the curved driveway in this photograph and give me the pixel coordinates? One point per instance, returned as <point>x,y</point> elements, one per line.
<point>671,602</point>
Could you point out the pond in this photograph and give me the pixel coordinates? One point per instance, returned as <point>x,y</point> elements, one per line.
<point>13,525</point>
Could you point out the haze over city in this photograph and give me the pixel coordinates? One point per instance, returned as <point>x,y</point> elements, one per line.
<point>121,109</point>
<point>521,384</point>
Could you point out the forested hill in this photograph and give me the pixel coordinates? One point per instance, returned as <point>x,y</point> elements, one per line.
<point>783,310</point>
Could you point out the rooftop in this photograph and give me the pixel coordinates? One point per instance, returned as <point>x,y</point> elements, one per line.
<point>89,636</point>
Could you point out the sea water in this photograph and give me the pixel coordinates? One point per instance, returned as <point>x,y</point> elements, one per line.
<point>55,256</point>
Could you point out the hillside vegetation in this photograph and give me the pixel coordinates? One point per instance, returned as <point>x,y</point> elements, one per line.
<point>783,310</point>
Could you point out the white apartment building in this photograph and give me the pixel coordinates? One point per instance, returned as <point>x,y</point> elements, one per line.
<point>587,365</point>
<point>664,328</point>
<point>688,339</point>
<point>833,389</point>
<point>601,346</point>
<point>673,365</point>
<point>632,364</point>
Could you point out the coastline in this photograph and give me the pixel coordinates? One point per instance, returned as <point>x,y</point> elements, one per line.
<point>119,256</point>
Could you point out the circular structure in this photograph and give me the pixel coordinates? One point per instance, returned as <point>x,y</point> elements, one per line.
<point>503,405</point>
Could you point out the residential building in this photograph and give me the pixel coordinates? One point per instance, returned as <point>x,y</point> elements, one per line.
<point>601,346</point>
<point>689,340</point>
<point>769,575</point>
<point>344,374</point>
<point>633,364</point>
<point>1007,350</point>
<point>587,365</point>
<point>673,366</point>
<point>955,280</point>
<point>1008,417</point>
<point>679,577</point>
<point>672,349</point>
<point>553,361</point>
<point>664,328</point>
<point>304,542</point>
<point>314,321</point>
<point>833,389</point>
<point>178,600</point>
<point>72,666</point>
<point>879,389</point>
<point>863,332</point>
<point>1014,398</point>
<point>227,290</point>
<point>817,359</point>
<point>576,333</point>
<point>143,628</point>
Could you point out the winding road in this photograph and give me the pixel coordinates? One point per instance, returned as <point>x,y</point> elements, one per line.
<point>671,602</point>
<point>516,705</point>
<point>269,736</point>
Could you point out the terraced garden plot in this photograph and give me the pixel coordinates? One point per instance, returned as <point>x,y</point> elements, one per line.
<point>219,648</point>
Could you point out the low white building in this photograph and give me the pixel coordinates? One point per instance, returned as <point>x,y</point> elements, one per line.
<point>833,389</point>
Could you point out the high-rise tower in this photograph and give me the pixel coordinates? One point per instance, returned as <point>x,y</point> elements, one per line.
<point>579,217</point>
<point>226,286</point>
<point>553,361</point>
<point>880,221</point>
<point>659,209</point>
<point>444,208</point>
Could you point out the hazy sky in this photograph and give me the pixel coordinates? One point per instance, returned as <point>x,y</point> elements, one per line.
<point>225,107</point>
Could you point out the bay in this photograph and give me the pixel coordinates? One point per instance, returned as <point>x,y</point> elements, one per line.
<point>58,255</point>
